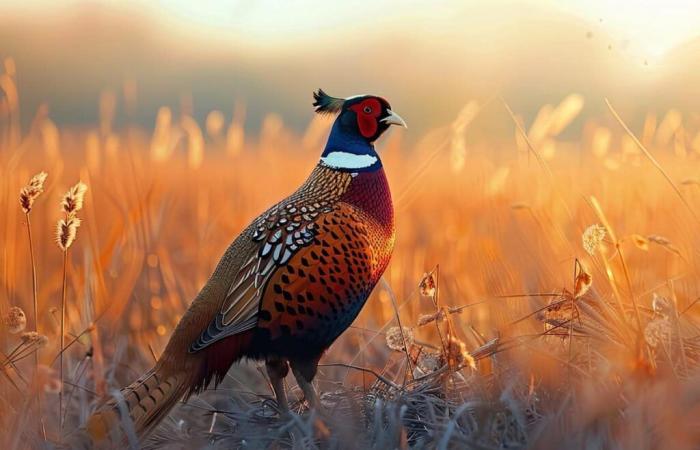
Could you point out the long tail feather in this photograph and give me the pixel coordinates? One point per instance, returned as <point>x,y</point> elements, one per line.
<point>132,413</point>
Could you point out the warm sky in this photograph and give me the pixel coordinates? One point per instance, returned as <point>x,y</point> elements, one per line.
<point>429,55</point>
<point>654,26</point>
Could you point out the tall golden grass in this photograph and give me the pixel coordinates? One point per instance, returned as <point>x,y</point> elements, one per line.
<point>504,219</point>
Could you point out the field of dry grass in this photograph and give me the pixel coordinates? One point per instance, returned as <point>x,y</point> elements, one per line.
<point>518,337</point>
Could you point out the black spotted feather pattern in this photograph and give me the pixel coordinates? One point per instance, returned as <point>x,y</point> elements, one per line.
<point>279,234</point>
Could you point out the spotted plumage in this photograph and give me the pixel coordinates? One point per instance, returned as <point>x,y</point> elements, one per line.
<point>289,285</point>
<point>279,233</point>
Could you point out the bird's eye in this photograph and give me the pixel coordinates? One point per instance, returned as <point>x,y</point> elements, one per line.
<point>367,110</point>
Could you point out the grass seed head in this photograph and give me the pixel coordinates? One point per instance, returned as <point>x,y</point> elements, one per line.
<point>592,237</point>
<point>15,320</point>
<point>661,305</point>
<point>429,361</point>
<point>34,338</point>
<point>456,353</point>
<point>664,242</point>
<point>397,342</point>
<point>66,232</point>
<point>657,331</point>
<point>430,318</point>
<point>72,201</point>
<point>29,193</point>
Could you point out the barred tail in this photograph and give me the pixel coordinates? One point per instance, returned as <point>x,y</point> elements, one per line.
<point>132,413</point>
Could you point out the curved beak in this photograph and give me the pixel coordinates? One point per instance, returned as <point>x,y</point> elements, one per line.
<point>394,119</point>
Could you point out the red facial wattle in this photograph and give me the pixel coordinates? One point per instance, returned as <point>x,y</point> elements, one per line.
<point>368,112</point>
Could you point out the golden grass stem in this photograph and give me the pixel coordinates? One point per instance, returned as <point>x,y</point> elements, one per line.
<point>608,270</point>
<point>436,300</point>
<point>618,248</point>
<point>542,163</point>
<point>34,283</point>
<point>651,158</point>
<point>380,377</point>
<point>629,287</point>
<point>395,305</point>
<point>63,328</point>
<point>678,337</point>
<point>75,337</point>
<point>11,360</point>
<point>35,302</point>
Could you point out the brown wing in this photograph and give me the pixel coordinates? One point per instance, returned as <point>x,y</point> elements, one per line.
<point>278,234</point>
<point>321,289</point>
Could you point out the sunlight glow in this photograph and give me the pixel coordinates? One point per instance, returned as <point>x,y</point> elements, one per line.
<point>645,28</point>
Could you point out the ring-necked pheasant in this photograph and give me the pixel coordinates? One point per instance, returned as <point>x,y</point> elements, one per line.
<point>288,286</point>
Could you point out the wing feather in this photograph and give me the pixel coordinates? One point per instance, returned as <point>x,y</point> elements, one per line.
<point>278,234</point>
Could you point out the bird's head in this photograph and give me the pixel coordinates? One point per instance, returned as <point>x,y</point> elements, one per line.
<point>361,120</point>
<point>366,116</point>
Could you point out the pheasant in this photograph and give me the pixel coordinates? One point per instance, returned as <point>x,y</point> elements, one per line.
<point>287,287</point>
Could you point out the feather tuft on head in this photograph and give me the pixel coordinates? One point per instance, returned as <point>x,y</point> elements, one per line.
<point>325,104</point>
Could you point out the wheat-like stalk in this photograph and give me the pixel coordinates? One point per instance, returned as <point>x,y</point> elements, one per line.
<point>27,195</point>
<point>66,233</point>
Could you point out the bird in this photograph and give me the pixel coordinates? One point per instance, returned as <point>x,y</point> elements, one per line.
<point>286,288</point>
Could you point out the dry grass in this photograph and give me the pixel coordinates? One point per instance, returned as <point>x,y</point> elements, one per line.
<point>571,348</point>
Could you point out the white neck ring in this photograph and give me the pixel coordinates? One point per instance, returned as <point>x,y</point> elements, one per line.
<point>345,160</point>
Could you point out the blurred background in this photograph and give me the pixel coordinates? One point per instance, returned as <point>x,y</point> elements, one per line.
<point>427,57</point>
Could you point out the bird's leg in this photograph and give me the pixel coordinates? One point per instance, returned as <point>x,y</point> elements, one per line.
<point>277,370</point>
<point>304,371</point>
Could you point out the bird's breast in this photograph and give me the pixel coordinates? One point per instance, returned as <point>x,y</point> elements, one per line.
<point>369,192</point>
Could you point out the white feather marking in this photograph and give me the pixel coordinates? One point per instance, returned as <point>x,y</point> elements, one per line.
<point>345,160</point>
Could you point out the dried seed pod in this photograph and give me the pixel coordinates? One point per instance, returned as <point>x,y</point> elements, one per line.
<point>428,285</point>
<point>397,341</point>
<point>641,242</point>
<point>592,237</point>
<point>582,282</point>
<point>561,310</point>
<point>15,320</point>
<point>657,331</point>
<point>34,338</point>
<point>429,361</point>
